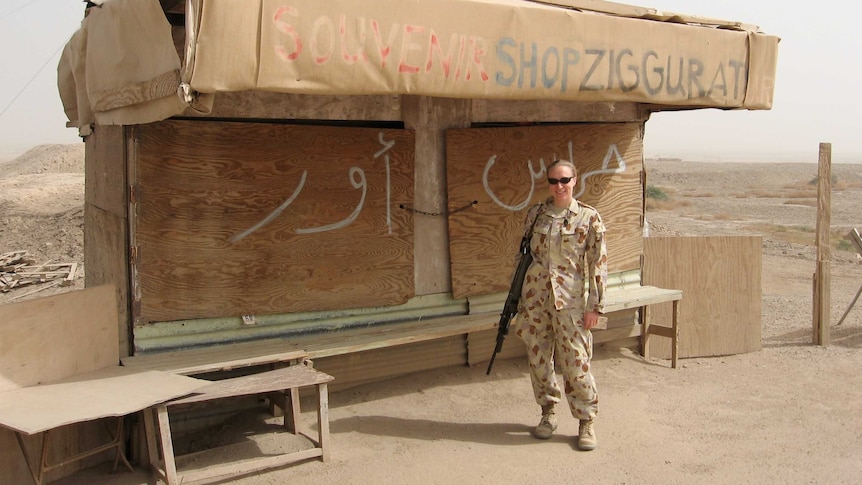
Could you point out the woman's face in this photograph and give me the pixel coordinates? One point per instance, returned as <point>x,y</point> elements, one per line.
<point>562,192</point>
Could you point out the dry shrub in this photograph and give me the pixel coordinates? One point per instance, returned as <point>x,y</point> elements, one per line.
<point>661,205</point>
<point>760,194</point>
<point>807,202</point>
<point>802,194</point>
<point>722,216</point>
<point>658,198</point>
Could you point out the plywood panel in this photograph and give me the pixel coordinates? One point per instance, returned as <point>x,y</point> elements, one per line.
<point>502,171</point>
<point>721,282</point>
<point>111,391</point>
<point>77,329</point>
<point>254,218</point>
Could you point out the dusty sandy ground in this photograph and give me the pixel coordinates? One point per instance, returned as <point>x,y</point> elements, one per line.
<point>790,413</point>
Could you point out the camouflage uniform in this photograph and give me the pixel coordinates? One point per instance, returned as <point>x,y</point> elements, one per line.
<point>568,247</point>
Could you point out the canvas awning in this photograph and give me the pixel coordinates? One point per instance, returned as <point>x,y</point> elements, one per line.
<point>121,67</point>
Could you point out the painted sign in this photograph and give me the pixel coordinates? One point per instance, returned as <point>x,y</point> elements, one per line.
<point>486,50</point>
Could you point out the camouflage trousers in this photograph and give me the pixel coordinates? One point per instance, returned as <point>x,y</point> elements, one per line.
<point>559,336</point>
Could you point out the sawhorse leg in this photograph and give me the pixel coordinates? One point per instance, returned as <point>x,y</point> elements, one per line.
<point>38,475</point>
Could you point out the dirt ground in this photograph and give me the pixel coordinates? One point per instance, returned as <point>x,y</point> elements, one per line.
<point>789,413</point>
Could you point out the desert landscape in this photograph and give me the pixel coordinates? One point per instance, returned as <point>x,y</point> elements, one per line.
<point>789,413</point>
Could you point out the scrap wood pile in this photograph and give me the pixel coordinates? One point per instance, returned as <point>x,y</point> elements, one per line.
<point>17,270</point>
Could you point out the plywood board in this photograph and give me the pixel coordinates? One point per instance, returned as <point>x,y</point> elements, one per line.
<point>497,173</point>
<point>106,250</point>
<point>255,218</point>
<point>54,337</point>
<point>113,391</point>
<point>720,277</point>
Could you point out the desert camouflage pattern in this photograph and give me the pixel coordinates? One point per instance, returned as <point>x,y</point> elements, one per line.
<point>567,247</point>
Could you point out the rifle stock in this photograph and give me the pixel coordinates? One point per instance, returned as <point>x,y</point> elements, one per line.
<point>510,308</point>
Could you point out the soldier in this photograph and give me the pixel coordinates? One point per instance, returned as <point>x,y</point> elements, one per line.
<point>554,320</point>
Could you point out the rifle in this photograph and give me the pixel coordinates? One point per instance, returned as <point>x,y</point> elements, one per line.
<point>510,308</point>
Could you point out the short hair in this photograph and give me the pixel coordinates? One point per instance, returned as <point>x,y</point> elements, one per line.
<point>563,163</point>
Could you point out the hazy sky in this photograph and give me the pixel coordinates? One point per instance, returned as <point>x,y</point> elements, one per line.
<point>818,69</point>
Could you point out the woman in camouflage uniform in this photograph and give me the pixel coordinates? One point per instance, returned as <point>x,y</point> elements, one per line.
<point>555,318</point>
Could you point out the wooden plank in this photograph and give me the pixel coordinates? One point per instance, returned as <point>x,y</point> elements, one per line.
<point>249,466</point>
<point>721,279</point>
<point>252,218</point>
<point>618,299</point>
<point>291,377</point>
<point>218,358</point>
<point>111,391</point>
<point>79,327</point>
<point>493,167</point>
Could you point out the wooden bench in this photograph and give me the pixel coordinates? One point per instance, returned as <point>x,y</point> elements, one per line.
<point>217,358</point>
<point>284,382</point>
<point>643,297</point>
<point>277,351</point>
<point>59,366</point>
<point>290,370</point>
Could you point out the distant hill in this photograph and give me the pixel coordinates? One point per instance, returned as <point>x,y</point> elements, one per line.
<point>46,159</point>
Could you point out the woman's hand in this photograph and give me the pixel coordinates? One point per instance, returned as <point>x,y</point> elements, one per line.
<point>591,319</point>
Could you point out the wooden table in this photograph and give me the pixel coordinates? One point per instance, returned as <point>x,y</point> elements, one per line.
<point>284,382</point>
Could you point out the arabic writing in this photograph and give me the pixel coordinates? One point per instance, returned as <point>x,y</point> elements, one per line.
<point>612,154</point>
<point>357,180</point>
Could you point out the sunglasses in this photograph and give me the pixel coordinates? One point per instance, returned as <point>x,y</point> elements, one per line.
<point>563,180</point>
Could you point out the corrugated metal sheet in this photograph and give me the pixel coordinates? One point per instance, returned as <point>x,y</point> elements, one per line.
<point>494,302</point>
<point>184,334</point>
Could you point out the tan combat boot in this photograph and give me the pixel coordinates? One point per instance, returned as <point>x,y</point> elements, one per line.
<point>587,436</point>
<point>548,424</point>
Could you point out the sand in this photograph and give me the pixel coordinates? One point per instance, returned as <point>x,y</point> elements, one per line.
<point>789,413</point>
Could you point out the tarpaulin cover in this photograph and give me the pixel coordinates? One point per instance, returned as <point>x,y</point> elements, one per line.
<point>122,64</point>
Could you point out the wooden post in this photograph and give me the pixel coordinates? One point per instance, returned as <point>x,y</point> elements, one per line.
<point>822,279</point>
<point>430,118</point>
